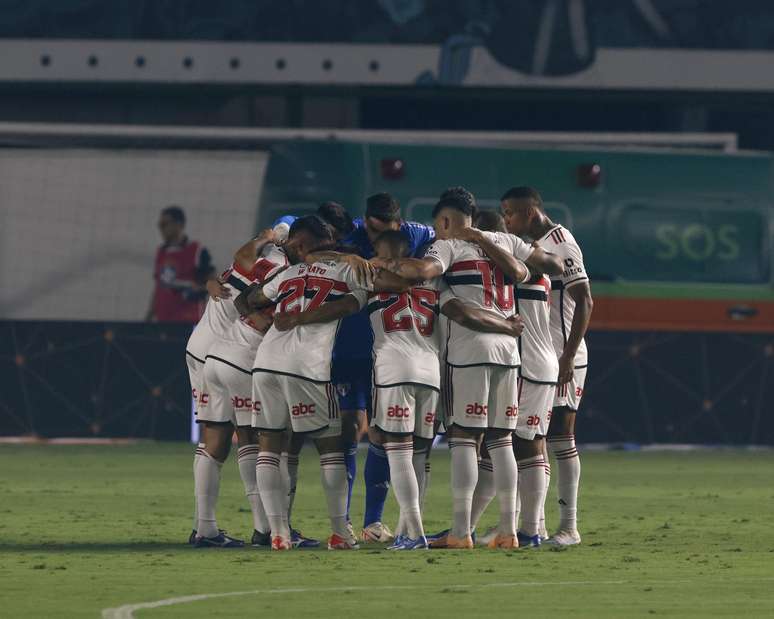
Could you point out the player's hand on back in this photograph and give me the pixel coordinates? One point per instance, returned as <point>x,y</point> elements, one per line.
<point>566,368</point>
<point>517,325</point>
<point>217,290</point>
<point>286,321</point>
<point>363,269</point>
<point>467,234</point>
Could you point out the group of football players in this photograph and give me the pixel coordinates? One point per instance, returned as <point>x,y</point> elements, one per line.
<point>328,328</point>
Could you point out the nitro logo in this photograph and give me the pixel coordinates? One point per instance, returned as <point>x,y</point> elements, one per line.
<point>512,411</point>
<point>301,409</point>
<point>241,403</point>
<point>398,412</point>
<point>476,409</point>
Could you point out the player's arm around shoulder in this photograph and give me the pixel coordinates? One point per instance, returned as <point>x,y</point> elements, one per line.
<point>251,299</point>
<point>477,319</point>
<point>362,269</point>
<point>327,312</point>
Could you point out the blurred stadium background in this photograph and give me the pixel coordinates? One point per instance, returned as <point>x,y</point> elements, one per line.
<point>646,125</point>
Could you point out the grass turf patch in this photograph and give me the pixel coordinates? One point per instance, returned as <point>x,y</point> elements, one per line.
<point>666,534</point>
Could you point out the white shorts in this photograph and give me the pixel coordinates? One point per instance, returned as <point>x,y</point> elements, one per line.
<point>230,391</point>
<point>196,377</point>
<point>405,409</point>
<point>535,401</point>
<point>482,396</point>
<point>281,401</point>
<point>570,394</point>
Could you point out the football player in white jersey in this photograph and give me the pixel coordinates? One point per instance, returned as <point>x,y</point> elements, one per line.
<point>571,306</point>
<point>537,386</point>
<point>219,315</point>
<point>291,374</point>
<point>482,368</point>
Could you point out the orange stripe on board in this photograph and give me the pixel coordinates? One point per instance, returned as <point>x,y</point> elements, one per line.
<point>630,314</point>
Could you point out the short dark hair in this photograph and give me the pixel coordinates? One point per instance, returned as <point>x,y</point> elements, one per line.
<point>383,206</point>
<point>522,192</point>
<point>397,241</point>
<point>459,199</point>
<point>337,217</point>
<point>490,220</point>
<point>175,213</point>
<point>314,226</point>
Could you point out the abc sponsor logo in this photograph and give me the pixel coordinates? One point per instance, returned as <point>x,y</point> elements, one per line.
<point>512,411</point>
<point>533,420</point>
<point>476,409</point>
<point>429,418</point>
<point>398,412</point>
<point>204,399</point>
<point>301,409</point>
<point>578,391</point>
<point>243,403</point>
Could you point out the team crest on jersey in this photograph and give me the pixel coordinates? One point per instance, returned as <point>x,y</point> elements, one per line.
<point>343,389</point>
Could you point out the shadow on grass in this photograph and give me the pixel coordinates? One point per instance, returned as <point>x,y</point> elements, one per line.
<point>86,547</point>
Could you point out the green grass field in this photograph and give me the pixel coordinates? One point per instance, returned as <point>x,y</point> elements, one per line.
<point>84,529</point>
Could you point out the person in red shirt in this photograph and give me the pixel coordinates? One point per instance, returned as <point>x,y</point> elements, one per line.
<point>182,269</point>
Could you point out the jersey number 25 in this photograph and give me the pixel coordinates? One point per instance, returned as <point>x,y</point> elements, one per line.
<point>420,303</point>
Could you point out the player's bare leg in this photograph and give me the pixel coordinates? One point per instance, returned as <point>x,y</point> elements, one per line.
<point>272,487</point>
<point>247,456</point>
<point>333,474</point>
<point>214,446</point>
<point>532,487</point>
<point>505,474</point>
<point>561,444</point>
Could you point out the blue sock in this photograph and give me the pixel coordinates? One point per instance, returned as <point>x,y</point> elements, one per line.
<point>350,461</point>
<point>377,482</point>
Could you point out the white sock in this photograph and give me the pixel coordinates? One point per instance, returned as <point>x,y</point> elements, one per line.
<point>333,473</point>
<point>568,472</point>
<point>532,489</point>
<point>246,458</point>
<point>404,484</point>
<point>289,469</point>
<point>506,477</point>
<point>485,491</point>
<point>464,475</point>
<point>200,446</point>
<point>418,460</point>
<point>543,530</point>
<point>273,494</point>
<point>207,482</point>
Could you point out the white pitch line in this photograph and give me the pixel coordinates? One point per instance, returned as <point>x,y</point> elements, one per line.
<point>127,611</point>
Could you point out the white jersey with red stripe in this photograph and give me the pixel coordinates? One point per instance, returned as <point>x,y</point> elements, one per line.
<point>218,315</point>
<point>272,261</point>
<point>560,241</point>
<point>539,363</point>
<point>305,351</point>
<point>476,280</point>
<point>406,339</point>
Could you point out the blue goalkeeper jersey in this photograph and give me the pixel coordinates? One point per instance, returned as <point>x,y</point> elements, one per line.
<point>355,338</point>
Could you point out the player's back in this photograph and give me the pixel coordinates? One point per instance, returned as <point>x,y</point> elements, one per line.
<point>305,350</point>
<point>560,241</point>
<point>406,335</point>
<point>538,358</point>
<point>476,280</point>
<point>218,315</point>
